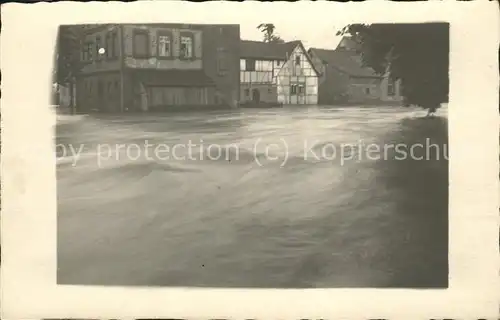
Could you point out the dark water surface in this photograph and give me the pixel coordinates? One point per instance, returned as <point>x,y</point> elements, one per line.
<point>295,217</point>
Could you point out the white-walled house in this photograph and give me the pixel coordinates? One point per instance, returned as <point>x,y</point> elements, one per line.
<point>277,73</point>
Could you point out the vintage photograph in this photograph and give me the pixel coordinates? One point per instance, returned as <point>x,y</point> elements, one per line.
<point>252,156</point>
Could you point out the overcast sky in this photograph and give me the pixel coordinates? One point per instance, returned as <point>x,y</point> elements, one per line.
<point>304,22</point>
<point>315,23</point>
<point>319,36</point>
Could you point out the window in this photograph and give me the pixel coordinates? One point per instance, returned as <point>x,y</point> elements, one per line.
<point>111,45</point>
<point>247,92</point>
<point>107,44</point>
<point>270,90</point>
<point>367,91</point>
<point>87,50</point>
<point>90,50</point>
<point>293,89</point>
<point>278,63</point>
<point>114,44</point>
<point>84,55</point>
<point>250,64</point>
<point>391,90</point>
<point>301,89</point>
<point>297,60</point>
<point>221,61</point>
<point>141,44</point>
<point>164,45</point>
<point>97,48</point>
<point>186,47</point>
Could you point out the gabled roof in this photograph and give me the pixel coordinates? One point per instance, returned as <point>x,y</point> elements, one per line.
<point>272,51</point>
<point>266,50</point>
<point>346,61</point>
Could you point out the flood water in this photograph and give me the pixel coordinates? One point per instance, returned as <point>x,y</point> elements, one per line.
<point>259,199</point>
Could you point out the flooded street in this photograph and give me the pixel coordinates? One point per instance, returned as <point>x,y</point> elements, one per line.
<point>264,198</point>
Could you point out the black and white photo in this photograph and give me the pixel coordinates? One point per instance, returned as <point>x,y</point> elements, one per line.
<point>235,151</point>
<point>197,157</point>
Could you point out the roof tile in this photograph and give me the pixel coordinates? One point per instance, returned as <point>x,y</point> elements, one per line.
<point>347,61</point>
<point>266,50</point>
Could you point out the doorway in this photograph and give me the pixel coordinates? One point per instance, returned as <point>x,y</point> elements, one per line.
<point>301,93</point>
<point>256,95</point>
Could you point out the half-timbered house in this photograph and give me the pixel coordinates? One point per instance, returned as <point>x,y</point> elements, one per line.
<point>277,73</point>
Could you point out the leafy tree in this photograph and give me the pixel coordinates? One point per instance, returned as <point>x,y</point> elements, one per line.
<point>67,55</point>
<point>269,35</point>
<point>418,54</point>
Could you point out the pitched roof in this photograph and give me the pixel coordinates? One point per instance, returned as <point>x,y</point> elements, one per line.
<point>266,50</point>
<point>272,51</point>
<point>348,43</point>
<point>347,61</point>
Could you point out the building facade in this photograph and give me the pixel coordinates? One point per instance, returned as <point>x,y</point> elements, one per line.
<point>277,73</point>
<point>147,67</point>
<point>345,80</point>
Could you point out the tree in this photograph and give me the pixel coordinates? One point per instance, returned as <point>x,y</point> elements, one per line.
<point>269,35</point>
<point>67,56</point>
<point>418,54</point>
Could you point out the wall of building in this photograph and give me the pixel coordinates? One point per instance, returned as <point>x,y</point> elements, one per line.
<point>334,87</point>
<point>267,92</point>
<point>385,96</point>
<point>177,96</point>
<point>320,66</point>
<point>364,90</point>
<point>153,61</point>
<point>88,98</point>
<point>292,75</point>
<point>265,71</point>
<point>100,62</point>
<point>339,88</point>
<point>262,79</point>
<point>221,61</point>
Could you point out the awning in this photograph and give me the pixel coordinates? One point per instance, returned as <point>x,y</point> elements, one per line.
<point>173,78</point>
